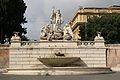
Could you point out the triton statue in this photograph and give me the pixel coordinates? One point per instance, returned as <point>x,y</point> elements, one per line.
<point>67,32</point>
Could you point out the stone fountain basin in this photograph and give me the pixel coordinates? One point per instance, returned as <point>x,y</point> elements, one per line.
<point>59,61</point>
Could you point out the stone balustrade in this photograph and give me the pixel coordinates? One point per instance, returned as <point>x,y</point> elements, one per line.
<point>79,43</point>
<point>86,43</point>
<point>28,43</point>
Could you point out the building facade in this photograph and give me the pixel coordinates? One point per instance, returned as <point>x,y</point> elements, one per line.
<point>84,13</point>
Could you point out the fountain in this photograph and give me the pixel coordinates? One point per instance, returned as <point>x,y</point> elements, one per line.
<point>57,53</point>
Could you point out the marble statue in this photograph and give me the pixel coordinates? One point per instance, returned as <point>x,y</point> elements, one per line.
<point>56,20</point>
<point>59,20</point>
<point>67,32</point>
<point>16,37</point>
<point>99,37</point>
<point>49,38</point>
<point>53,31</point>
<point>45,32</point>
<point>53,20</point>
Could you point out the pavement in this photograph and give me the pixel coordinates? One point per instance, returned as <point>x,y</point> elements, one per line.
<point>112,76</point>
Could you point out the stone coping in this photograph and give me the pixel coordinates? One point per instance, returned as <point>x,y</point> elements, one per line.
<point>70,68</point>
<point>4,46</point>
<point>79,47</point>
<point>54,41</point>
<point>60,71</point>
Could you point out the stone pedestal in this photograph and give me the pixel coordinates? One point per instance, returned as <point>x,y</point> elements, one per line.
<point>15,40</point>
<point>15,44</point>
<point>99,40</point>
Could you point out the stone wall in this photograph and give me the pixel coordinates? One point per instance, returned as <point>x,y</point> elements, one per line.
<point>4,56</point>
<point>29,55</point>
<point>25,55</point>
<point>113,55</point>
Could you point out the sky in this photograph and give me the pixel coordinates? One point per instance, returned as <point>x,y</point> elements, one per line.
<point>38,12</point>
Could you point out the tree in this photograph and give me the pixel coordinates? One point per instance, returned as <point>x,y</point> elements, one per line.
<point>11,18</point>
<point>108,25</point>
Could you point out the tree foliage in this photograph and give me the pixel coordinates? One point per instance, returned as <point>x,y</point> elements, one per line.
<point>11,18</point>
<point>108,25</point>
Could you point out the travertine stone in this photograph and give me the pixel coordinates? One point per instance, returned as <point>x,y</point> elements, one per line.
<point>27,57</point>
<point>13,63</point>
<point>23,62</point>
<point>12,66</point>
<point>15,59</point>
<point>22,55</point>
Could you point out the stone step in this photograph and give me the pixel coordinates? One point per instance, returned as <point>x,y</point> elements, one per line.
<point>60,71</point>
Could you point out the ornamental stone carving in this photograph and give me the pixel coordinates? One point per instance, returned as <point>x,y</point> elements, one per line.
<point>54,30</point>
<point>45,32</point>
<point>67,32</point>
<point>16,37</point>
